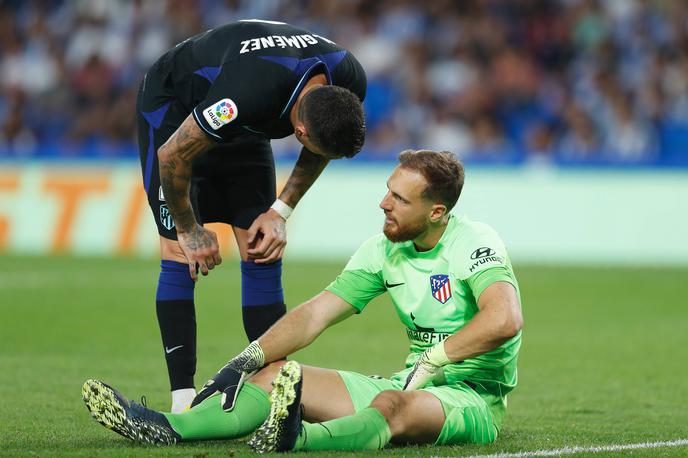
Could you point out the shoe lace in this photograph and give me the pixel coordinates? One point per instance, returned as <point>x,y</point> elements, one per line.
<point>143,412</point>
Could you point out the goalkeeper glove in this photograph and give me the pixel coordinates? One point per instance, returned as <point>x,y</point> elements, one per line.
<point>427,367</point>
<point>232,376</point>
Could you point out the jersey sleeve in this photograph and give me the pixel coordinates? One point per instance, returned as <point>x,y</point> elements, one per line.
<point>482,259</point>
<point>361,280</point>
<point>480,248</point>
<point>245,92</point>
<point>480,281</point>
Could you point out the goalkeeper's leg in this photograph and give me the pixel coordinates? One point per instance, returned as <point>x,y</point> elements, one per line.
<point>324,393</point>
<point>207,420</point>
<point>324,397</point>
<point>406,417</point>
<point>443,415</point>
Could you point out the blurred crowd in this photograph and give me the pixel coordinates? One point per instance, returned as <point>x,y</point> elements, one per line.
<point>496,81</point>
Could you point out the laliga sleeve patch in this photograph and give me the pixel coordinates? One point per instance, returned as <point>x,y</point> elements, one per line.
<point>221,113</point>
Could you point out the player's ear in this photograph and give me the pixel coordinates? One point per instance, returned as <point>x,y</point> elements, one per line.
<point>300,131</point>
<point>437,212</point>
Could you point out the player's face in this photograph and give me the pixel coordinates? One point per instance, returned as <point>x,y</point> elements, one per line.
<point>405,209</point>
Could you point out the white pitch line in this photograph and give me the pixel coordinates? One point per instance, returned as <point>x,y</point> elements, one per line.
<point>592,449</point>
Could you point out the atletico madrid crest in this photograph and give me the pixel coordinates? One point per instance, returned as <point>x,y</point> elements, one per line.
<point>441,288</point>
<point>166,217</point>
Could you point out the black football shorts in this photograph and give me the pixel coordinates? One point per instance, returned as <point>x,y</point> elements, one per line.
<point>232,183</point>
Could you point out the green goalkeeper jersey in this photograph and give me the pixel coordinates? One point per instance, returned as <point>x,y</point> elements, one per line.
<point>435,294</point>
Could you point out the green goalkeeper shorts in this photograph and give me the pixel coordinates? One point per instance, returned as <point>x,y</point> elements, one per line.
<point>468,418</point>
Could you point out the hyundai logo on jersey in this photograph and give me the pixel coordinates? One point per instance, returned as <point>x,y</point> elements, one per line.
<point>482,252</point>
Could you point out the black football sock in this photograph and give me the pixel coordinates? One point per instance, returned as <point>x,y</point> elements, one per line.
<point>177,320</point>
<point>262,297</point>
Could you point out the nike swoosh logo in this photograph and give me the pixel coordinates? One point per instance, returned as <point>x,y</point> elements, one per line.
<point>392,285</point>
<point>170,350</point>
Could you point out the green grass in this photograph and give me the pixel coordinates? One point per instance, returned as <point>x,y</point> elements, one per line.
<point>604,357</point>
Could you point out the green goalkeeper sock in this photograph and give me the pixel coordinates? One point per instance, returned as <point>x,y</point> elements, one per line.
<point>365,430</point>
<point>207,420</point>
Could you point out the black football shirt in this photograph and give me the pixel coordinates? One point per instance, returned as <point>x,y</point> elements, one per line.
<point>245,76</point>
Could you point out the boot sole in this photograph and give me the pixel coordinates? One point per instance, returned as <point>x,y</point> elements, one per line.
<point>107,409</point>
<point>283,394</point>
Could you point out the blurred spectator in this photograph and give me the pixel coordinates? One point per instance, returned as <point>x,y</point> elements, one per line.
<point>540,144</point>
<point>16,138</point>
<point>580,140</point>
<point>446,132</point>
<point>580,80</point>
<point>488,141</point>
<point>629,136</point>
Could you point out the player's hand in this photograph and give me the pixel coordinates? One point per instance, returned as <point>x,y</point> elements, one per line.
<point>422,373</point>
<point>232,376</point>
<point>427,367</point>
<point>227,381</point>
<point>271,226</point>
<point>201,250</point>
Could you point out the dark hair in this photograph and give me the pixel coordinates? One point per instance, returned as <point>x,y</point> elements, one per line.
<point>334,120</point>
<point>442,171</point>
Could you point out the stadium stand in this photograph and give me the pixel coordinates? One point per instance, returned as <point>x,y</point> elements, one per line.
<point>567,82</point>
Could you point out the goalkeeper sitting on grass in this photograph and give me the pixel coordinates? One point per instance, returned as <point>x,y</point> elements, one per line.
<point>454,290</point>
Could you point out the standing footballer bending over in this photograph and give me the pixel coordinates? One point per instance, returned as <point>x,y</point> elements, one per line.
<point>207,110</point>
<point>455,292</point>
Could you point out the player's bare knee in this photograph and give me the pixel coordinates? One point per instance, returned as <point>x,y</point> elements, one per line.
<point>391,404</point>
<point>264,377</point>
<point>171,251</point>
<point>241,236</point>
<point>243,253</point>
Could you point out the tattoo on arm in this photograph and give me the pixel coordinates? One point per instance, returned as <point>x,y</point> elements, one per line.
<point>307,169</point>
<point>175,158</point>
<point>197,240</point>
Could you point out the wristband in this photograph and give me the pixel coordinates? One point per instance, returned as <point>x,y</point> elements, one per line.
<point>250,359</point>
<point>437,356</point>
<point>282,209</point>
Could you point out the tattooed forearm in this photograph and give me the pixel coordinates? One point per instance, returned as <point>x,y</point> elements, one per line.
<point>175,158</point>
<point>307,169</point>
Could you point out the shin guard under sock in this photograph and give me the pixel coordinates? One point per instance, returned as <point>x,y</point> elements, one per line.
<point>262,297</point>
<point>177,320</point>
<point>364,430</point>
<point>207,420</point>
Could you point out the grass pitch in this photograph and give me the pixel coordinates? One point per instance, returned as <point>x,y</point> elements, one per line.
<point>604,357</point>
